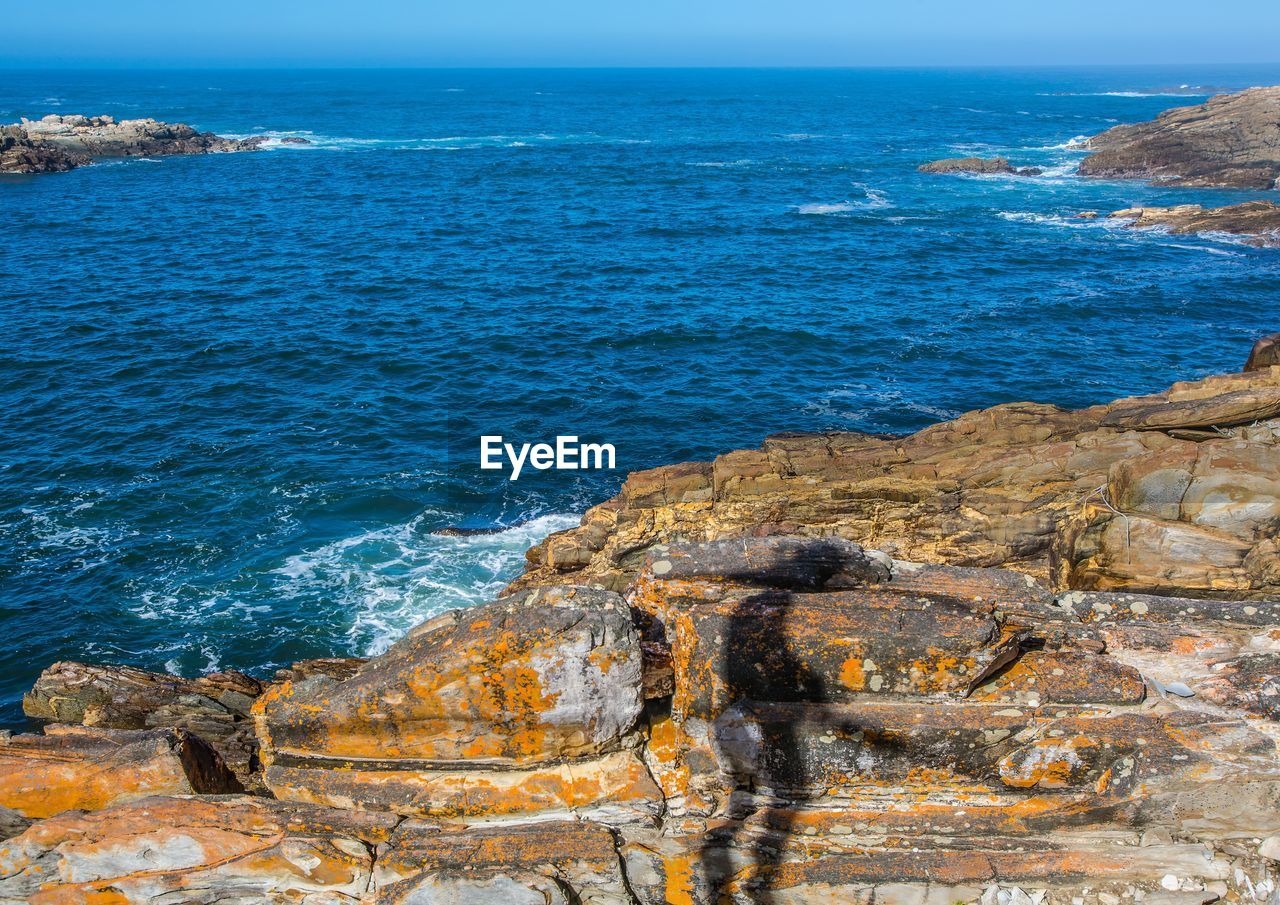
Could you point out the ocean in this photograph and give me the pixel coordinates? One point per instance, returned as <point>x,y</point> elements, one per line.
<point>240,395</point>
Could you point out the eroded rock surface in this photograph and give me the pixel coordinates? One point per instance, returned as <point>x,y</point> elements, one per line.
<point>1172,493</point>
<point>214,707</point>
<point>1256,222</point>
<point>56,143</point>
<point>977,165</point>
<point>1232,140</point>
<point>1027,656</point>
<point>73,768</point>
<point>524,706</point>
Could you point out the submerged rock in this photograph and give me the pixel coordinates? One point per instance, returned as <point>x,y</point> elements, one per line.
<point>1231,140</point>
<point>1256,222</point>
<point>60,143</point>
<point>979,165</point>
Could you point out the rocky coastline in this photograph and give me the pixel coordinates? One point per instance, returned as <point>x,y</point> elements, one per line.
<point>56,144</point>
<point>1029,655</point>
<point>1230,141</point>
<point>1254,222</point>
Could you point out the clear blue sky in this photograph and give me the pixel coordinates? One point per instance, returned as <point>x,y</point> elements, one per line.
<point>652,33</point>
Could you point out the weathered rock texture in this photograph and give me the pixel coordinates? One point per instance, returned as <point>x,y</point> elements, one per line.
<point>1174,493</point>
<point>214,707</point>
<point>56,144</point>
<point>526,706</point>
<point>1232,140</point>
<point>71,768</point>
<point>738,699</point>
<point>1265,353</point>
<point>1257,222</point>
<point>979,165</point>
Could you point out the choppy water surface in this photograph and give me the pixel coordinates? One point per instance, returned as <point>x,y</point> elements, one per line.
<point>230,385</point>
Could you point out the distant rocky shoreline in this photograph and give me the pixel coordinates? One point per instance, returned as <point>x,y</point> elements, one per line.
<point>56,144</point>
<point>1027,655</point>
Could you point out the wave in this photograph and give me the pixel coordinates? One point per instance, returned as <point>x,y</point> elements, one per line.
<point>276,139</point>
<point>722,164</point>
<point>873,199</point>
<point>1184,91</point>
<point>393,578</point>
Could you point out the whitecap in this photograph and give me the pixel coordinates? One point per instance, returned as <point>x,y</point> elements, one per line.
<point>393,578</point>
<point>873,199</point>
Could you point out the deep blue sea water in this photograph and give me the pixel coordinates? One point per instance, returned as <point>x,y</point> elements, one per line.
<point>238,393</point>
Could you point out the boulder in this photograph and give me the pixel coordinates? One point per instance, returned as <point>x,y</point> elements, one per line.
<point>1231,140</point>
<point>1264,354</point>
<point>528,704</point>
<point>72,768</point>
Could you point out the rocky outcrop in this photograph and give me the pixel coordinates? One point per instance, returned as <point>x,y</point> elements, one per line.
<point>56,144</point>
<point>1265,353</point>
<point>1027,656</point>
<point>194,850</point>
<point>1173,493</point>
<point>978,165</point>
<point>1256,222</point>
<point>214,707</point>
<point>72,768</point>
<point>1232,140</point>
<point>526,706</point>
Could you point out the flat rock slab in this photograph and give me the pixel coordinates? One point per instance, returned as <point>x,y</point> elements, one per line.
<point>88,769</point>
<point>194,850</point>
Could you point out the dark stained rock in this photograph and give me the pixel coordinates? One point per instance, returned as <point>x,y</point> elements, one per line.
<point>1232,140</point>
<point>73,768</point>
<point>978,165</point>
<point>1264,354</point>
<point>1255,222</point>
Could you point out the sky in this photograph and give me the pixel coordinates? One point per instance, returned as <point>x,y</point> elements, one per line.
<point>625,33</point>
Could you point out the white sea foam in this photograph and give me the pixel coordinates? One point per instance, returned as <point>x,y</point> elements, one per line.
<point>275,141</point>
<point>722,164</point>
<point>873,199</point>
<point>393,578</point>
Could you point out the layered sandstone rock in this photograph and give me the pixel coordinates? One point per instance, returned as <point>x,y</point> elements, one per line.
<point>214,707</point>
<point>524,706</point>
<point>1232,140</point>
<point>809,683</point>
<point>1264,354</point>
<point>973,736</point>
<point>71,768</point>
<point>1086,499</point>
<point>60,143</point>
<point>1256,222</point>
<point>977,165</point>
<point>195,850</point>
